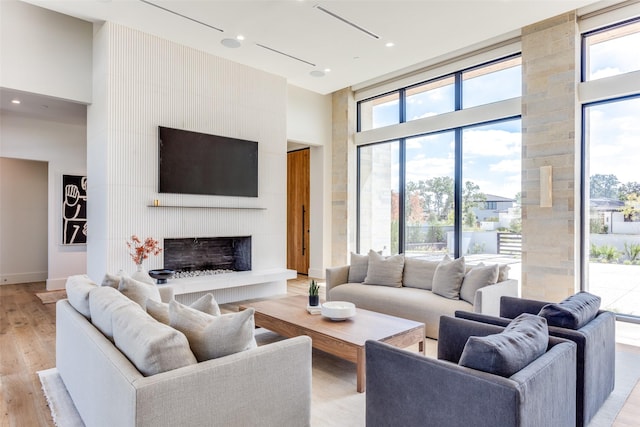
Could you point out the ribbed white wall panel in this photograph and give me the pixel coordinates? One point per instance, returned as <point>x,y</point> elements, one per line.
<point>142,82</point>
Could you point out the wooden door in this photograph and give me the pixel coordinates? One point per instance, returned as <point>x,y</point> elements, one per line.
<point>298,211</point>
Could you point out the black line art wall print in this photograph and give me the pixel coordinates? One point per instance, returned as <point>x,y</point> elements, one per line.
<point>74,209</point>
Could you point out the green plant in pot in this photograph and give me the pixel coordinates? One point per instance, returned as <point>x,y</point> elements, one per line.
<point>314,298</point>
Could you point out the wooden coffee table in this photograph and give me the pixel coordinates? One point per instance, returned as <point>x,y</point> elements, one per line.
<point>345,339</point>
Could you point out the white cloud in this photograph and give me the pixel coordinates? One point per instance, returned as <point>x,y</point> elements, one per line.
<point>492,142</point>
<point>513,165</point>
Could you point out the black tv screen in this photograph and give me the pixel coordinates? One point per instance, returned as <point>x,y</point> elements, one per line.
<point>198,163</point>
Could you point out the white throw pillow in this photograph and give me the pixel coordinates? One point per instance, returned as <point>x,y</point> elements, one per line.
<point>210,336</point>
<point>384,271</point>
<point>139,291</point>
<point>151,346</point>
<point>104,300</point>
<point>111,280</point>
<point>418,273</point>
<point>160,310</point>
<point>78,288</point>
<point>448,277</point>
<point>478,277</point>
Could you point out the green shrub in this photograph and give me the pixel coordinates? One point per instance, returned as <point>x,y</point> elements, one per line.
<point>632,251</point>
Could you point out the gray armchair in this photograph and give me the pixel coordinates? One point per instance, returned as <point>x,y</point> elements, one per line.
<point>595,368</point>
<point>408,389</point>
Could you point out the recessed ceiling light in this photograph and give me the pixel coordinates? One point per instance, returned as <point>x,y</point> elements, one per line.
<point>240,37</point>
<point>389,44</point>
<point>327,70</point>
<point>15,101</point>
<point>230,43</point>
<point>317,73</point>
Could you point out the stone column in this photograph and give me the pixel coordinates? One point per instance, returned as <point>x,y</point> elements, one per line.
<point>550,117</point>
<point>343,177</point>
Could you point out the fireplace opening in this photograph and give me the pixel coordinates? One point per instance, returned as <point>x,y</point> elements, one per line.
<point>207,255</point>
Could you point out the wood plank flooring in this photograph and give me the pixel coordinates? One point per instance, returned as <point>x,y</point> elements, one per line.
<point>27,345</point>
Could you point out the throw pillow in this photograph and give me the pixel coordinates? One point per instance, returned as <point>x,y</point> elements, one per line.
<point>418,273</point>
<point>448,277</point>
<point>104,300</point>
<point>111,280</point>
<point>139,291</point>
<point>358,268</point>
<point>503,272</point>
<point>384,271</point>
<point>573,312</point>
<point>160,310</point>
<point>210,336</point>
<point>478,277</point>
<point>524,340</point>
<point>78,288</point>
<point>151,346</point>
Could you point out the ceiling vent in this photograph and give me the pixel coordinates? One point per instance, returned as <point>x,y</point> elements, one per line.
<point>181,15</point>
<point>285,54</point>
<point>346,21</point>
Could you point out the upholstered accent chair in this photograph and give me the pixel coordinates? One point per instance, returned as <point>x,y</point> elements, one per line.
<point>408,389</point>
<point>595,368</point>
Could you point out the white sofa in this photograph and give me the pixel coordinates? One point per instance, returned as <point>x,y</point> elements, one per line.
<point>268,385</point>
<point>412,297</point>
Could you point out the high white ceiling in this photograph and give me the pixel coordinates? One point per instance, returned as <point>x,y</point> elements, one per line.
<point>311,35</point>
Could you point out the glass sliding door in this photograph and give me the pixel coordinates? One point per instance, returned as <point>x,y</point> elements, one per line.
<point>611,220</point>
<point>429,195</point>
<point>379,196</point>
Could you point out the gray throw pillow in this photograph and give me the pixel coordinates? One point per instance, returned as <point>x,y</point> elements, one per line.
<point>384,271</point>
<point>478,277</point>
<point>573,312</point>
<point>448,277</point>
<point>524,340</point>
<point>139,291</point>
<point>160,310</point>
<point>210,336</point>
<point>418,273</point>
<point>111,280</point>
<point>150,345</point>
<point>104,300</point>
<point>503,272</point>
<point>358,268</point>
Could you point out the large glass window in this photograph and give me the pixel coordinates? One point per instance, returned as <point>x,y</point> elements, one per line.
<point>491,83</point>
<point>431,98</point>
<point>429,194</point>
<point>379,112</point>
<point>612,193</point>
<point>612,51</point>
<point>379,191</point>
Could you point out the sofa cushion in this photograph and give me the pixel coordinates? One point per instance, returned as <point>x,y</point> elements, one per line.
<point>358,268</point>
<point>384,271</point>
<point>448,277</point>
<point>160,310</point>
<point>210,336</point>
<point>409,303</point>
<point>104,300</point>
<point>418,273</point>
<point>139,291</point>
<point>151,346</point>
<point>78,288</point>
<point>524,340</point>
<point>573,312</point>
<point>478,277</point>
<point>111,280</point>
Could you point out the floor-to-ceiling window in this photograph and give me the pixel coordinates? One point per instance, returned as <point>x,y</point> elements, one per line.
<point>611,155</point>
<point>449,182</point>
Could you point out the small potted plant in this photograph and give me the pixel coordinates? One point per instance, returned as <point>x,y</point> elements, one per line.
<point>314,298</point>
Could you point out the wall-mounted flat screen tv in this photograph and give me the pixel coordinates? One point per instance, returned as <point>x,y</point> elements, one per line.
<point>198,163</point>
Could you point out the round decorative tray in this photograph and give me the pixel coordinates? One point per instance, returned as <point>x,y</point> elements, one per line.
<point>162,275</point>
<point>338,310</point>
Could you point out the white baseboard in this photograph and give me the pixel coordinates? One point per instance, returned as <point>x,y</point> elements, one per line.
<point>12,279</point>
<point>55,284</point>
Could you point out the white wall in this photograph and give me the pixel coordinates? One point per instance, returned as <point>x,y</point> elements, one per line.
<point>309,124</point>
<point>44,52</point>
<point>63,146</point>
<point>141,82</point>
<point>23,221</point>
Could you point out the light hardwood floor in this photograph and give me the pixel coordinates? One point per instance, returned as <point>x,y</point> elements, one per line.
<point>27,345</point>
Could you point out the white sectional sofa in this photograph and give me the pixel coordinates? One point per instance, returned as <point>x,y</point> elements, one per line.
<point>268,385</point>
<point>413,289</point>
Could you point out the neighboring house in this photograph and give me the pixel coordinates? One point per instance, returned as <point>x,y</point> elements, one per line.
<point>608,213</point>
<point>492,207</point>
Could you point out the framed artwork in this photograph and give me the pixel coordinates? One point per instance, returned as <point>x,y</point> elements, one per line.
<point>74,210</point>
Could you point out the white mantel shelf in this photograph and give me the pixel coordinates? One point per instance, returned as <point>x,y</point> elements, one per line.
<point>208,207</point>
<point>187,285</point>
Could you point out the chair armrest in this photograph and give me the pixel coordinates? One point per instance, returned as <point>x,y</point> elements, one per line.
<point>487,298</point>
<point>453,335</point>
<point>483,318</point>
<point>336,276</point>
<point>511,307</point>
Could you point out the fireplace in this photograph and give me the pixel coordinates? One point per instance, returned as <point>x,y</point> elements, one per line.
<point>195,254</point>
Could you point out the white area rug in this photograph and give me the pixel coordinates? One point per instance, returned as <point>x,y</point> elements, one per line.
<point>335,401</point>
